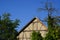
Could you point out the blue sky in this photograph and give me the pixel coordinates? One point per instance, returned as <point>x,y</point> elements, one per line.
<point>25,10</point>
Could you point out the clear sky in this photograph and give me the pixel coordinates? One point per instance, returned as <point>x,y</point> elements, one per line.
<point>25,10</point>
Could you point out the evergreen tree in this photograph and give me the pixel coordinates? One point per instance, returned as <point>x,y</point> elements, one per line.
<point>53,22</point>
<point>36,36</point>
<point>53,29</point>
<point>7,27</point>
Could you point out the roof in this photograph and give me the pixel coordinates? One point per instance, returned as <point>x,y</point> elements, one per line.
<point>27,25</point>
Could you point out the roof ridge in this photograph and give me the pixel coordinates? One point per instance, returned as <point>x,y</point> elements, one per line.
<point>29,23</point>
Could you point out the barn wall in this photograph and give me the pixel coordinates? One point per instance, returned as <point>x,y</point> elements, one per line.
<point>35,25</point>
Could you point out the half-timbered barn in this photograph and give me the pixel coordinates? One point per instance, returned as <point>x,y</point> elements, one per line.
<point>34,25</point>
